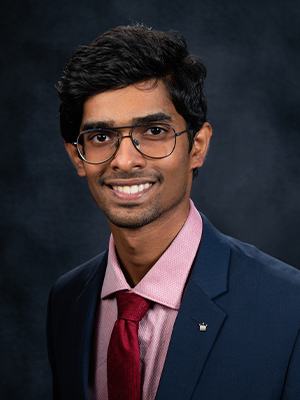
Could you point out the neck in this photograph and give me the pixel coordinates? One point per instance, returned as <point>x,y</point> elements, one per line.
<point>139,249</point>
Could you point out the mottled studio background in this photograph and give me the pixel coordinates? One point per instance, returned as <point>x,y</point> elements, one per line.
<point>249,186</point>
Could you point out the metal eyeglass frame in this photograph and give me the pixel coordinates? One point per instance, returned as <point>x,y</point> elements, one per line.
<point>132,127</point>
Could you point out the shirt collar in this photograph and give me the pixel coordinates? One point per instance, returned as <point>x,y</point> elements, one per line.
<point>165,281</point>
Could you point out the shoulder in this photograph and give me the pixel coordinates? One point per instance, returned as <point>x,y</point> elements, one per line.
<point>77,278</point>
<point>263,285</point>
<point>258,263</point>
<point>245,264</point>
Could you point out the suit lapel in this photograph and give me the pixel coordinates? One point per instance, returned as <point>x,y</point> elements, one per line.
<point>83,325</point>
<point>189,346</point>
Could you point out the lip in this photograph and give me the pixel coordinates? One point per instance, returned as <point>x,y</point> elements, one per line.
<point>129,182</point>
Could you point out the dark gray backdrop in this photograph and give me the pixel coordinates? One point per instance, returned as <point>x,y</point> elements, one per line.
<point>249,186</point>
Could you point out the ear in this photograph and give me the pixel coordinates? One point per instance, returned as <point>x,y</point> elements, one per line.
<point>200,147</point>
<point>76,160</point>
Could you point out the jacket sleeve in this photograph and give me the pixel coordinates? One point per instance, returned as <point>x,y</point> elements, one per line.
<point>51,353</point>
<point>291,389</point>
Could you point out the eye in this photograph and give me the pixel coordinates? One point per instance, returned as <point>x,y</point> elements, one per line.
<point>155,130</point>
<point>101,137</point>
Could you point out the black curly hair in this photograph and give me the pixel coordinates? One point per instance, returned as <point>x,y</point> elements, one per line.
<point>127,55</point>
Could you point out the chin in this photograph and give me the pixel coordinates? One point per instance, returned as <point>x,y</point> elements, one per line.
<point>133,221</point>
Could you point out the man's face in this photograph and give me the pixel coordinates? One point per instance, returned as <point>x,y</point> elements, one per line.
<point>131,189</point>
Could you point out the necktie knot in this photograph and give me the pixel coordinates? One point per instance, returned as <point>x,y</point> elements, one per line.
<point>131,306</point>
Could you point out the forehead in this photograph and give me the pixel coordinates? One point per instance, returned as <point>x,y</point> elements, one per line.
<point>123,107</point>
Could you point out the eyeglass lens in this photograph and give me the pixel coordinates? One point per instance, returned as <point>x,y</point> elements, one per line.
<point>152,140</point>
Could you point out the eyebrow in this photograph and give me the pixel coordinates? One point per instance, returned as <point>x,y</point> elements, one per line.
<point>157,117</point>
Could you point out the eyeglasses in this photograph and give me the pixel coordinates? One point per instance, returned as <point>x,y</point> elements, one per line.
<point>153,140</point>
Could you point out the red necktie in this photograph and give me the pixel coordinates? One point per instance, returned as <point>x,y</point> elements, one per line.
<point>123,356</point>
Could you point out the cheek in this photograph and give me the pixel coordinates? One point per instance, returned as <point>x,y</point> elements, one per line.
<point>94,172</point>
<point>93,177</point>
<point>182,163</point>
<point>180,174</point>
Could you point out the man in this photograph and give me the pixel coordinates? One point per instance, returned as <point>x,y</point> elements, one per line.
<point>218,319</point>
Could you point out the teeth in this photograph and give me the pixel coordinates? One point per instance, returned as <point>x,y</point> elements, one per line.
<point>132,189</point>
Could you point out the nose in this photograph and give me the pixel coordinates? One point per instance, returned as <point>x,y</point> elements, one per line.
<point>127,156</point>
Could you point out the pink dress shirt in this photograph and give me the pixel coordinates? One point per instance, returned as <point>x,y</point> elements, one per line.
<point>164,284</point>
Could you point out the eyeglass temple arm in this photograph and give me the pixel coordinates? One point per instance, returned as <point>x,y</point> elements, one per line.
<point>180,133</point>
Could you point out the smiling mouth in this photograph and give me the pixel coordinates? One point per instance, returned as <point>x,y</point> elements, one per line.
<point>132,189</point>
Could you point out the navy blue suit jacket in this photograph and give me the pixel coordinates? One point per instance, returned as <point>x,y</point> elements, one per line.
<point>250,349</point>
